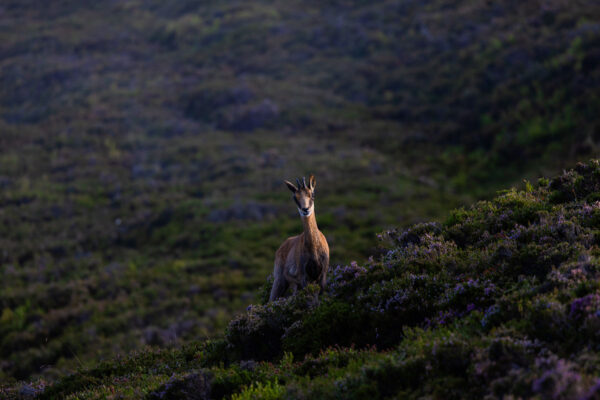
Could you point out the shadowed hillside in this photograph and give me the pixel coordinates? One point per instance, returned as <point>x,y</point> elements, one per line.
<point>501,299</point>
<point>143,145</point>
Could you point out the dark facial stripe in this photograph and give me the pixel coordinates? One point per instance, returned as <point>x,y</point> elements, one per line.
<point>311,203</point>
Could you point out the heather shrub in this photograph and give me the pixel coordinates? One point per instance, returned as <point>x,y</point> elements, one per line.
<point>332,323</point>
<point>230,380</point>
<point>259,391</point>
<point>257,334</point>
<point>516,275</point>
<point>193,386</point>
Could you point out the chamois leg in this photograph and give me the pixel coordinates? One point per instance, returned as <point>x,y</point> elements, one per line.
<point>323,282</point>
<point>303,282</point>
<point>279,288</point>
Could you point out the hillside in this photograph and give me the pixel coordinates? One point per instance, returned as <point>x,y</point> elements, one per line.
<point>502,299</point>
<point>143,144</point>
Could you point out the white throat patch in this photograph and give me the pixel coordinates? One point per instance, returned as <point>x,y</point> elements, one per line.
<point>308,214</point>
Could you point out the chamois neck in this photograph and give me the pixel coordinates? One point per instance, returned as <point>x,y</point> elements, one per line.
<point>311,231</point>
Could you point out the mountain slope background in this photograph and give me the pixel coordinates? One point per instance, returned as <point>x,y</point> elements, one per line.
<point>143,144</point>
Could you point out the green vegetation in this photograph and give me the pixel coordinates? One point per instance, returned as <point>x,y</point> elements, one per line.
<point>143,144</point>
<point>501,300</point>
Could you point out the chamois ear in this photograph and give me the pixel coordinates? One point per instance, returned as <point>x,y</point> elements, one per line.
<point>291,186</point>
<point>312,182</point>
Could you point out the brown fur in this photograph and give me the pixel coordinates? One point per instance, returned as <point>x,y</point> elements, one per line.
<point>303,258</point>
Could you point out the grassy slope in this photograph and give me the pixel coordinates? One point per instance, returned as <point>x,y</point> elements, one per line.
<point>501,299</point>
<point>142,145</point>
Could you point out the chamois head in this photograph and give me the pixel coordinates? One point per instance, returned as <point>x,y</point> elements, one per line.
<point>304,195</point>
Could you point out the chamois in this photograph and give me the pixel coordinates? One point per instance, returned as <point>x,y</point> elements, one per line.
<point>305,257</point>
